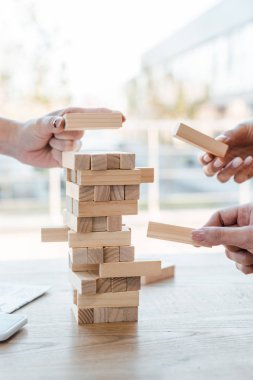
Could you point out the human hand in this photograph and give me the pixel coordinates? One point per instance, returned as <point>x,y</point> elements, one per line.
<point>233,228</point>
<point>238,162</point>
<point>40,142</point>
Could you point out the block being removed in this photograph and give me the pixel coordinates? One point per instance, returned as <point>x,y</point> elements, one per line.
<point>92,120</point>
<point>170,232</point>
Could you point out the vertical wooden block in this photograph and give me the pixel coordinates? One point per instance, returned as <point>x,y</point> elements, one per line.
<point>99,161</point>
<point>126,253</point>
<point>132,192</point>
<point>101,315</point>
<point>131,314</point>
<point>127,161</point>
<point>116,314</point>
<point>104,285</point>
<point>84,225</point>
<point>69,204</point>
<point>133,283</point>
<point>102,193</point>
<point>95,255</point>
<point>113,161</point>
<point>99,224</point>
<point>73,176</point>
<point>78,256</point>
<point>86,193</point>
<point>111,254</point>
<point>85,316</point>
<point>114,223</point>
<point>82,161</point>
<point>119,284</point>
<point>68,174</point>
<point>117,193</point>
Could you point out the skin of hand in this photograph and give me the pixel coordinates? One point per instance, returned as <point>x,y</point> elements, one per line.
<point>233,228</point>
<point>238,162</point>
<point>40,142</point>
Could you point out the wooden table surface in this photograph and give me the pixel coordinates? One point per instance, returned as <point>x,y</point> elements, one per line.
<point>197,326</point>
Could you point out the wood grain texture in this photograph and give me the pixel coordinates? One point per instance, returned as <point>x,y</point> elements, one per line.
<point>111,208</point>
<point>147,175</point>
<point>54,234</point>
<point>170,232</point>
<point>126,253</point>
<point>117,193</point>
<point>114,223</point>
<point>92,121</point>
<point>119,284</point>
<point>75,161</point>
<point>102,193</point>
<point>95,255</point>
<point>132,192</point>
<point>104,285</point>
<point>78,256</point>
<point>129,269</point>
<point>79,224</point>
<point>84,282</point>
<point>109,177</point>
<point>200,140</point>
<point>127,161</point>
<point>133,283</point>
<point>80,193</point>
<point>113,161</point>
<point>111,254</point>
<point>99,224</point>
<point>121,299</point>
<point>99,161</point>
<point>167,272</point>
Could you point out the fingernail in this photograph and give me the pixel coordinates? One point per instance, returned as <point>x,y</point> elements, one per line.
<point>198,236</point>
<point>237,162</point>
<point>207,158</point>
<point>57,122</point>
<point>218,163</point>
<point>223,138</point>
<point>248,160</point>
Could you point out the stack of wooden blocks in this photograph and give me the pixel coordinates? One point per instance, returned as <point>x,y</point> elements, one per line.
<point>100,189</point>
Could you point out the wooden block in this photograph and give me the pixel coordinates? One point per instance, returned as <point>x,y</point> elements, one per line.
<point>119,284</point>
<point>127,161</point>
<point>109,177</point>
<point>68,174</point>
<point>73,176</point>
<point>80,193</point>
<point>126,253</point>
<point>123,314</point>
<point>147,175</point>
<point>113,161</point>
<point>79,224</point>
<point>111,208</point>
<point>83,316</point>
<point>84,267</point>
<point>170,232</point>
<point>167,272</point>
<point>99,161</point>
<point>74,296</point>
<point>130,314</point>
<point>69,204</point>
<point>92,120</point>
<point>102,193</point>
<point>114,223</point>
<point>95,255</point>
<point>84,282</point>
<point>120,299</point>
<point>132,192</point>
<point>64,216</point>
<point>99,224</point>
<point>200,140</point>
<point>75,161</point>
<point>54,234</point>
<point>129,269</point>
<point>111,254</point>
<point>101,315</point>
<point>117,193</point>
<point>78,256</point>
<point>104,285</point>
<point>105,239</point>
<point>133,283</point>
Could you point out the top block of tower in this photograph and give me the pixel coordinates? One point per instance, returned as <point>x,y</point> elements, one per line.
<point>200,140</point>
<point>92,120</point>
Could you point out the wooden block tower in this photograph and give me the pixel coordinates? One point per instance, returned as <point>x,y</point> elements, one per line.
<point>101,187</point>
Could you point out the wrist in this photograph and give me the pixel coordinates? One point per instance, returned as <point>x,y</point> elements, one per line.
<point>9,136</point>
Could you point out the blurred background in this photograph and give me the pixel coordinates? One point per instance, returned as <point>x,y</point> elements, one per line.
<point>157,61</point>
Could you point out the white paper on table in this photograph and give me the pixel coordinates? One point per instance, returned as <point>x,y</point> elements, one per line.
<point>14,296</point>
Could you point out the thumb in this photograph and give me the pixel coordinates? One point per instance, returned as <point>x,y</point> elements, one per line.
<point>48,125</point>
<point>211,236</point>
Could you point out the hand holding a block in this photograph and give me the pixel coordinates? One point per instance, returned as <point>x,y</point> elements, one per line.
<point>238,161</point>
<point>233,228</point>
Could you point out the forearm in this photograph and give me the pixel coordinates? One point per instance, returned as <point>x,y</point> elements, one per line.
<point>9,130</point>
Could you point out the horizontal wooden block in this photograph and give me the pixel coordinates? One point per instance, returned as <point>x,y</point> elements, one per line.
<point>101,315</point>
<point>132,192</point>
<point>99,161</point>
<point>80,193</point>
<point>84,267</point>
<point>117,193</point>
<point>129,269</point>
<point>166,273</point>
<point>95,255</point>
<point>127,161</point>
<point>133,283</point>
<point>76,161</point>
<point>84,282</point>
<point>92,120</point>
<point>114,223</point>
<point>105,314</point>
<point>111,254</point>
<point>170,232</point>
<point>102,193</point>
<point>78,256</point>
<point>111,208</point>
<point>147,175</point>
<point>123,314</point>
<point>113,161</point>
<point>119,284</point>
<point>105,239</point>
<point>54,234</point>
<point>200,140</point>
<point>120,299</point>
<point>79,224</point>
<point>109,177</point>
<point>126,253</point>
<point>99,224</point>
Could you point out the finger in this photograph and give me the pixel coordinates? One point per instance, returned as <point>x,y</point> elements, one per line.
<point>240,257</point>
<point>212,236</point>
<point>48,125</point>
<point>65,145</point>
<point>57,156</point>
<point>230,169</point>
<point>225,217</point>
<point>246,172</point>
<point>63,111</point>
<point>205,158</point>
<point>214,166</point>
<point>244,269</point>
<point>73,135</point>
